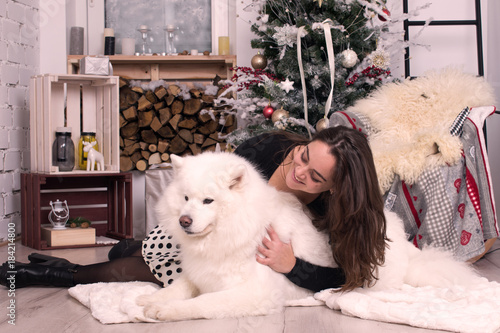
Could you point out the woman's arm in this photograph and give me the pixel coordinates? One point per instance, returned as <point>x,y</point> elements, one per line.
<point>279,256</point>
<point>315,278</point>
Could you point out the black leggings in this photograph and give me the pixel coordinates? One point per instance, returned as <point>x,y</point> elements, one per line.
<point>123,269</point>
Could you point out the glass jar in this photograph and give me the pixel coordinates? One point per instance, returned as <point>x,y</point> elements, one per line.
<point>82,156</point>
<point>63,150</point>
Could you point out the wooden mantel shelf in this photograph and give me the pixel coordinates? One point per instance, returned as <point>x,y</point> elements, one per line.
<point>169,68</point>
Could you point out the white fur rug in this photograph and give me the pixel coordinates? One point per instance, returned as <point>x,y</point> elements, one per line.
<point>475,309</point>
<point>472,310</point>
<point>114,302</point>
<point>411,121</point>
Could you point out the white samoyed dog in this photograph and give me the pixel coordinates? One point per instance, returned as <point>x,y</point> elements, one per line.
<point>218,207</point>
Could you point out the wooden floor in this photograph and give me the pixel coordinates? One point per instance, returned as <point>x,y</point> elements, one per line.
<point>54,310</point>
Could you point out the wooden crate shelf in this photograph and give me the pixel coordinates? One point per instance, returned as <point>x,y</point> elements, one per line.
<point>86,103</point>
<point>105,199</point>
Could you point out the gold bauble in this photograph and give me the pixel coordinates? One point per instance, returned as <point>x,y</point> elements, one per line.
<point>322,124</point>
<point>278,114</point>
<point>259,61</point>
<point>320,2</point>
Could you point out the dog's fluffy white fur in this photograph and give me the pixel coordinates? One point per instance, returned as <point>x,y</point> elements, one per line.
<point>230,206</point>
<point>218,207</point>
<point>406,264</point>
<point>411,121</point>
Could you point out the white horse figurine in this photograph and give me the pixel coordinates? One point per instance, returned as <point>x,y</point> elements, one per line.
<point>93,156</point>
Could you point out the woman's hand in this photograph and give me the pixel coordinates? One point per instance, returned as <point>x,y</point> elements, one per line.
<point>276,254</point>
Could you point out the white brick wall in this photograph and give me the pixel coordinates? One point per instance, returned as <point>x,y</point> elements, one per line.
<point>19,60</point>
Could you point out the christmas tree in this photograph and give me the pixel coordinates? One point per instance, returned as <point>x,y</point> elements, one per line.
<point>318,56</point>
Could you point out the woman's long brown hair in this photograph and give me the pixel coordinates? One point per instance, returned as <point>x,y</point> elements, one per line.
<point>354,217</point>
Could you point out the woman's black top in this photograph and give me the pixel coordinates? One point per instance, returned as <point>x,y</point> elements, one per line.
<point>266,152</point>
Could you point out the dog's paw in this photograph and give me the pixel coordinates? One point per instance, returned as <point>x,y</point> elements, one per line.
<point>171,311</point>
<point>151,310</point>
<point>162,311</point>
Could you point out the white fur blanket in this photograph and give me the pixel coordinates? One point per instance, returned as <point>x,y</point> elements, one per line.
<point>475,309</point>
<point>410,121</point>
<point>114,302</point>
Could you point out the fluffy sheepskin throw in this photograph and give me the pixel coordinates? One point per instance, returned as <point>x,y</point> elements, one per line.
<point>411,121</point>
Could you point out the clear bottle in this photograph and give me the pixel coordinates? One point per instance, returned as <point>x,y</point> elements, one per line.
<point>63,150</point>
<point>82,156</point>
<point>170,32</point>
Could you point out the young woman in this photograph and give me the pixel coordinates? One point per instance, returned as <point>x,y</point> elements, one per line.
<point>333,175</point>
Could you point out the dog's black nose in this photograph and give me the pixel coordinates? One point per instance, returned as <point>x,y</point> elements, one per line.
<point>185,221</point>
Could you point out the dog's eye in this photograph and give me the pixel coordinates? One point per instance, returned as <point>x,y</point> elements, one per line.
<point>208,201</point>
<point>186,198</point>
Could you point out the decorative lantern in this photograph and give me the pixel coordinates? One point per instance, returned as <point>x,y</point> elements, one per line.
<point>59,214</point>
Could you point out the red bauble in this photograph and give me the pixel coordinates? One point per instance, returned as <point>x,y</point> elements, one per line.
<point>383,19</point>
<point>268,111</point>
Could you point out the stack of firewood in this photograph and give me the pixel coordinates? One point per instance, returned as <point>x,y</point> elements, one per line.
<point>155,124</point>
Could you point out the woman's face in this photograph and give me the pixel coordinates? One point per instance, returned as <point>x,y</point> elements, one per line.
<point>311,169</point>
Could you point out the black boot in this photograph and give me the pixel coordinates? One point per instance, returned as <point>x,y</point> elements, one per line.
<point>24,275</point>
<point>124,248</point>
<point>45,260</point>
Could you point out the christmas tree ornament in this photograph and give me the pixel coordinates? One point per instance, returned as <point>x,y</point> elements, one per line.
<point>350,58</point>
<point>259,61</point>
<point>268,111</point>
<point>380,58</point>
<point>387,12</point>
<point>320,2</point>
<point>286,85</point>
<point>322,124</point>
<point>279,114</point>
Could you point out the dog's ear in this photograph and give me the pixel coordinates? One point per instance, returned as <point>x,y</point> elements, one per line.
<point>237,176</point>
<point>177,161</point>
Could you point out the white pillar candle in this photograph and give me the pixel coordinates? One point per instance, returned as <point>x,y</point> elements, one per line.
<point>128,46</point>
<point>109,32</point>
<point>194,52</point>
